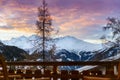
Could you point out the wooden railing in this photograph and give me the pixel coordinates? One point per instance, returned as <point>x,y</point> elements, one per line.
<point>109,66</point>
<point>18,73</point>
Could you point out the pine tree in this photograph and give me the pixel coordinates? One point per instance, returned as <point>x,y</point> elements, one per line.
<point>44,27</point>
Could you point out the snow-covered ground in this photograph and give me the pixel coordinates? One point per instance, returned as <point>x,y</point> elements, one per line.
<point>85,68</point>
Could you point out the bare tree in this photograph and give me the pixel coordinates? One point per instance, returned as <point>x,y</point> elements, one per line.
<point>114,26</point>
<point>44,27</point>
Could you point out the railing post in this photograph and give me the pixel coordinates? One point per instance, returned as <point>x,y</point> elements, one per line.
<point>119,71</point>
<point>110,70</point>
<point>4,66</point>
<point>54,72</point>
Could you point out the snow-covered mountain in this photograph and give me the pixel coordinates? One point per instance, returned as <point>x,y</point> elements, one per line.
<point>72,43</point>
<point>67,42</point>
<point>22,42</point>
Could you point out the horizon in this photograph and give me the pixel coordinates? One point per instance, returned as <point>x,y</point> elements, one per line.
<point>81,19</point>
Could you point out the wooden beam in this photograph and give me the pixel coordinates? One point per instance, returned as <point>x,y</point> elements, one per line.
<point>75,63</point>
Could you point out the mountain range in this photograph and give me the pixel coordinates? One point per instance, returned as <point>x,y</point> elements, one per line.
<point>68,42</point>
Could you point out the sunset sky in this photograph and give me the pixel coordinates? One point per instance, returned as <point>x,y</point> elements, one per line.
<point>82,19</point>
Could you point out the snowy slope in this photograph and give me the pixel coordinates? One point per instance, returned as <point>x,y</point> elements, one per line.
<point>72,43</point>
<point>67,42</point>
<point>21,42</point>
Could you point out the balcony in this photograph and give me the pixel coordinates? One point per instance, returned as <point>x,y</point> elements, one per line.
<point>105,70</point>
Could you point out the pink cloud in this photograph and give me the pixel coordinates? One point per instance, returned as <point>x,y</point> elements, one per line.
<point>76,16</point>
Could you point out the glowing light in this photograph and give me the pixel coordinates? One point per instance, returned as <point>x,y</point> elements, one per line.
<point>94,41</point>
